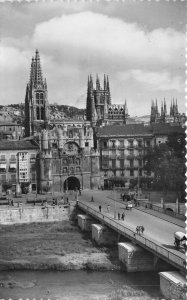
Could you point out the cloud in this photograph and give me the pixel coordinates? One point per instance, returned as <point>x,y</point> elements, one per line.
<point>160,81</point>
<point>98,36</point>
<point>140,63</point>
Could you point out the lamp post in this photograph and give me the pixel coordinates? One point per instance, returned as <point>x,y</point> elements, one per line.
<point>114,203</point>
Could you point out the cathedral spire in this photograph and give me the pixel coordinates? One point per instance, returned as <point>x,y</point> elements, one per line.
<point>38,78</point>
<point>108,90</point>
<point>105,86</point>
<point>97,83</point>
<point>165,108</point>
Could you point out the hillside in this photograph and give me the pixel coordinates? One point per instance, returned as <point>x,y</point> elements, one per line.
<point>15,113</point>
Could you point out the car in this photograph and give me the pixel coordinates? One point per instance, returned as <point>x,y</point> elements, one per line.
<point>129,205</point>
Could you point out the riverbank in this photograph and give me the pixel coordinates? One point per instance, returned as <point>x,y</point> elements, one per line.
<point>52,246</point>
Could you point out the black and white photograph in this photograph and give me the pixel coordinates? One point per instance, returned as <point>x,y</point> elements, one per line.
<point>92,150</point>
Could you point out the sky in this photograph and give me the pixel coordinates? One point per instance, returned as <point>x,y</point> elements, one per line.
<point>139,45</point>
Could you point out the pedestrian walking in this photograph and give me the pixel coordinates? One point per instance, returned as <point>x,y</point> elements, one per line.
<point>118,216</point>
<point>100,208</point>
<point>92,199</point>
<point>123,216</point>
<point>142,229</point>
<point>138,229</point>
<point>108,208</point>
<point>67,200</point>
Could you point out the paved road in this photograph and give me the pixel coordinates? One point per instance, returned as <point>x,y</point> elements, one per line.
<point>158,230</point>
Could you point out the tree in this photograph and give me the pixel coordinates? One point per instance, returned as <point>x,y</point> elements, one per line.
<point>167,162</point>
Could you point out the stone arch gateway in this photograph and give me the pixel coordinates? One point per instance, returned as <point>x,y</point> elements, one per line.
<point>71,183</point>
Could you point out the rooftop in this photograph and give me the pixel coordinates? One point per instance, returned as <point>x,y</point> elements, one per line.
<point>18,145</point>
<point>139,129</point>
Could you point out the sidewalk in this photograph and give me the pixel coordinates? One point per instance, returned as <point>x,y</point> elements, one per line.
<point>162,216</point>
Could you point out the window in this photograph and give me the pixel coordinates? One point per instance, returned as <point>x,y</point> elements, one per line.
<point>105,144</point>
<point>130,143</point>
<point>140,163</point>
<point>13,178</point>
<point>3,157</point>
<point>148,143</point>
<point>3,178</point>
<point>131,163</point>
<point>121,163</point>
<point>131,152</point>
<point>121,143</point>
<point>131,172</point>
<point>139,143</point>
<point>37,95</point>
<point>113,144</point>
<point>104,162</point>
<point>140,172</point>
<point>86,144</point>
<point>113,164</point>
<point>42,113</point>
<point>13,157</point>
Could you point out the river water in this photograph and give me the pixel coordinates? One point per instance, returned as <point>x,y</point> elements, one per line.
<point>77,285</point>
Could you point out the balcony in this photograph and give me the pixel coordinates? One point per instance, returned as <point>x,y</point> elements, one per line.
<point>12,161</point>
<point>130,156</point>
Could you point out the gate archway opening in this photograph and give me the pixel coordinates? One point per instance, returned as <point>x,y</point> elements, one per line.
<point>72,183</point>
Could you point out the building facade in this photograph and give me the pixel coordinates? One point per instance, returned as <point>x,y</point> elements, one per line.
<point>36,99</point>
<point>67,160</point>
<point>18,164</point>
<point>11,131</point>
<point>122,149</point>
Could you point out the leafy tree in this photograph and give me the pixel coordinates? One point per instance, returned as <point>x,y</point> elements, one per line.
<point>167,162</point>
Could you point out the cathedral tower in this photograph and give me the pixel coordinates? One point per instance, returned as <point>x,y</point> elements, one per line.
<point>36,102</point>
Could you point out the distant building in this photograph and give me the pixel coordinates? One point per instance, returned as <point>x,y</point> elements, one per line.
<point>11,131</point>
<point>164,116</point>
<point>18,163</point>
<point>99,107</point>
<point>36,99</point>
<point>122,148</point>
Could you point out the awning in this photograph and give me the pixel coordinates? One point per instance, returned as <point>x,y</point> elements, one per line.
<point>12,166</point>
<point>2,166</point>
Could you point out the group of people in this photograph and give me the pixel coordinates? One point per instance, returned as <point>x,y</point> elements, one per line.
<point>140,229</point>
<point>121,216</point>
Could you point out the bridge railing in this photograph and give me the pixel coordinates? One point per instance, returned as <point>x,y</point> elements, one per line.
<point>147,243</point>
<point>162,210</point>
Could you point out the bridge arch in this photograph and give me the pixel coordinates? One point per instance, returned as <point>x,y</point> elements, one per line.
<point>71,183</point>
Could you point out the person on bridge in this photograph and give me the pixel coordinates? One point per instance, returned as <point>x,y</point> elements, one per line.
<point>118,216</point>
<point>100,208</point>
<point>123,216</point>
<point>142,229</point>
<point>108,208</point>
<point>92,199</point>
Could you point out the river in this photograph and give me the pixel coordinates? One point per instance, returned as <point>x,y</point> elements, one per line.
<point>77,285</point>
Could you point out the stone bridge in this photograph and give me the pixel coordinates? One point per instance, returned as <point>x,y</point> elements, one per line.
<point>136,252</point>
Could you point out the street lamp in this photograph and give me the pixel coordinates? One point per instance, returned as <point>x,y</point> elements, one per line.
<point>114,203</point>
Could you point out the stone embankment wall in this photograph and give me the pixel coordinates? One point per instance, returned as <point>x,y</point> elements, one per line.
<point>173,285</point>
<point>34,214</point>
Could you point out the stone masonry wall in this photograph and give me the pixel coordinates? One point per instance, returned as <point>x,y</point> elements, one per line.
<point>134,257</point>
<point>173,285</point>
<point>33,214</point>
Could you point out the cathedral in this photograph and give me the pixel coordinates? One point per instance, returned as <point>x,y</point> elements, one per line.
<point>163,116</point>
<point>99,109</point>
<point>36,101</point>
<point>66,158</point>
